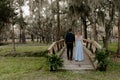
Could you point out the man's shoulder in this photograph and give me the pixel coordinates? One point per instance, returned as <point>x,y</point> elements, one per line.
<point>70,33</point>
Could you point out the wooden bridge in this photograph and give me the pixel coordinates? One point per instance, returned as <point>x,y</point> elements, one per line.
<point>89,47</point>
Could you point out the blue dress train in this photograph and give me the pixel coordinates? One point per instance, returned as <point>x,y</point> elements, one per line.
<point>79,50</point>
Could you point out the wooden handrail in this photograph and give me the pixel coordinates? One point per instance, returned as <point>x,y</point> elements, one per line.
<point>56,46</point>
<point>92,45</point>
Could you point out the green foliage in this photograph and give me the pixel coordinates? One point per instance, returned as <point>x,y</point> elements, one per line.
<point>54,62</point>
<point>82,8</point>
<point>102,56</point>
<point>6,12</point>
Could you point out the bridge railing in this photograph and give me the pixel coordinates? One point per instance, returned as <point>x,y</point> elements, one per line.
<point>56,47</point>
<point>90,50</point>
<point>92,45</point>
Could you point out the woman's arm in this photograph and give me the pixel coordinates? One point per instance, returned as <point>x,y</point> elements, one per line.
<point>82,40</point>
<point>75,40</point>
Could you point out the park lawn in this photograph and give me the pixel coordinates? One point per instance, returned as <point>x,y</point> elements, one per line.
<point>13,68</point>
<point>23,50</point>
<point>113,46</point>
<point>35,68</point>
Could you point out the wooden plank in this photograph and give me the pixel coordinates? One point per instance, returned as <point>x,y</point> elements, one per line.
<point>91,57</point>
<point>73,65</point>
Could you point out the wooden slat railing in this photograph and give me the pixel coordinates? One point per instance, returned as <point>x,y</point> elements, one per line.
<point>56,47</point>
<point>91,47</point>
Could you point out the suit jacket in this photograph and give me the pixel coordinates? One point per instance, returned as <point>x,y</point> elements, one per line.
<point>70,37</point>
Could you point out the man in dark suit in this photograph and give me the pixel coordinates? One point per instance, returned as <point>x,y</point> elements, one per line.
<point>70,39</point>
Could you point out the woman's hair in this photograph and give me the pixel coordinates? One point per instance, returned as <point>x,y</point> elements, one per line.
<point>79,31</point>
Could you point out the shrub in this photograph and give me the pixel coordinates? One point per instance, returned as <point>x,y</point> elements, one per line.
<point>102,56</point>
<point>54,62</point>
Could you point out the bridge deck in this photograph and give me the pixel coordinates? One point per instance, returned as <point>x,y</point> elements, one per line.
<point>73,65</point>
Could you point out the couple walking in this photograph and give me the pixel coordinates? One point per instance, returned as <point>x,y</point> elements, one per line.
<point>70,39</point>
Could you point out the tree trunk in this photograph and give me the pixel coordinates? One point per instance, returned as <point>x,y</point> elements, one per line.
<point>106,39</point>
<point>108,28</point>
<point>40,40</point>
<point>13,39</point>
<point>106,43</point>
<point>85,27</point>
<point>81,29</point>
<point>37,39</point>
<point>73,24</point>
<point>58,22</point>
<point>95,32</point>
<point>20,40</point>
<point>32,37</point>
<point>23,36</point>
<point>43,39</point>
<point>118,53</point>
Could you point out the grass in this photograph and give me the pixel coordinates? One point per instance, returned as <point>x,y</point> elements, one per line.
<point>113,46</point>
<point>23,50</point>
<point>12,68</point>
<point>35,68</point>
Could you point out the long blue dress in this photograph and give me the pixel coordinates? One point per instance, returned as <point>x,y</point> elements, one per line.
<point>79,49</point>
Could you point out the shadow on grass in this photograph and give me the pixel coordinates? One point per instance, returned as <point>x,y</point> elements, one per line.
<point>26,54</point>
<point>56,71</point>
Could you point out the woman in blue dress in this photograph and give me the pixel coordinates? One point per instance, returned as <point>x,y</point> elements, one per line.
<point>79,47</point>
